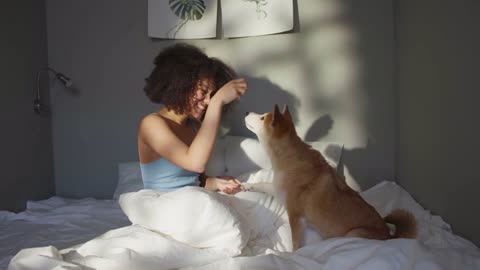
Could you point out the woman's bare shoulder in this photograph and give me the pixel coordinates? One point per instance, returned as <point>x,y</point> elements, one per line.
<point>153,121</point>
<point>153,128</point>
<point>152,117</point>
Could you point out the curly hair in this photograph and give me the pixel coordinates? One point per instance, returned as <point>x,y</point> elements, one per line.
<point>177,72</point>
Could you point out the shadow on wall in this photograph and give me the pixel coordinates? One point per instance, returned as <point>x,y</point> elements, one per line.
<point>319,128</point>
<point>356,161</point>
<point>261,97</point>
<point>373,161</point>
<point>368,159</point>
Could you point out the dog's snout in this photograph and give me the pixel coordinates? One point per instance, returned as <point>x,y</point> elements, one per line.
<point>247,113</point>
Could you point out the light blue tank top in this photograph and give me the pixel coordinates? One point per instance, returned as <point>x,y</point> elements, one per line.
<point>163,175</point>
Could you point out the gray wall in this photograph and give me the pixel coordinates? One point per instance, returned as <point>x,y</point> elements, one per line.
<point>335,73</point>
<point>25,140</point>
<point>438,91</point>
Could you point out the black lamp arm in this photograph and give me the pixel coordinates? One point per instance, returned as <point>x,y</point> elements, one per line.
<point>66,81</point>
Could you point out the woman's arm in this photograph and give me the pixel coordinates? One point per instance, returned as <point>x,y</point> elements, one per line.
<point>155,132</point>
<point>202,146</point>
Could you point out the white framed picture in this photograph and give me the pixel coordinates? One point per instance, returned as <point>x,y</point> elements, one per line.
<point>241,18</point>
<point>182,19</point>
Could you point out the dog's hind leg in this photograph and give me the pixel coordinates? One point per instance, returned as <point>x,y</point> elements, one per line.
<point>297,225</point>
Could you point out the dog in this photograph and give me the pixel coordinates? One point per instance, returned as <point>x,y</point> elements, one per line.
<point>313,192</point>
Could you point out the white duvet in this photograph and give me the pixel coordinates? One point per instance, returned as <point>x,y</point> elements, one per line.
<point>196,229</point>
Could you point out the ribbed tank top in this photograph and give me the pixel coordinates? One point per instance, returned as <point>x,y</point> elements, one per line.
<point>163,175</point>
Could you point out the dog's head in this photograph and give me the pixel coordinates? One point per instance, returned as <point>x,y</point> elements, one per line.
<point>272,124</point>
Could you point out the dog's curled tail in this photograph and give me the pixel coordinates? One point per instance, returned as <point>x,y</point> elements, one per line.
<point>405,223</point>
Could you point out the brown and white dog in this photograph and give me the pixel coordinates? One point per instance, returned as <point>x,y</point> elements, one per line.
<point>313,192</point>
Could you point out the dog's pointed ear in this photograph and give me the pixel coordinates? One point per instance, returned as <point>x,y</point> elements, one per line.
<point>286,113</point>
<point>275,115</point>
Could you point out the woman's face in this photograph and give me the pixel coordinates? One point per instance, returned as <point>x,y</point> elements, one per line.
<point>201,98</point>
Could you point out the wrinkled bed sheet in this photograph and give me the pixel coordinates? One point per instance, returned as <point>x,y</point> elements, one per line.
<point>58,222</point>
<point>267,243</point>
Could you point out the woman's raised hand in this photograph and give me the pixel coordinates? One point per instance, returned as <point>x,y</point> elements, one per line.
<point>231,91</point>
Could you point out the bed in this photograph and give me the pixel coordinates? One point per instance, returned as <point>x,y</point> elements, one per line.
<point>193,228</point>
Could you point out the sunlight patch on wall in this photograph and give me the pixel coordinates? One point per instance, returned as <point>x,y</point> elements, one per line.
<point>318,66</point>
<point>247,53</point>
<point>286,73</point>
<point>335,62</point>
<point>333,70</point>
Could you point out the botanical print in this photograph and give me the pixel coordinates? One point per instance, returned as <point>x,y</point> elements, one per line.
<point>186,10</point>
<point>241,18</point>
<point>261,13</point>
<point>182,19</point>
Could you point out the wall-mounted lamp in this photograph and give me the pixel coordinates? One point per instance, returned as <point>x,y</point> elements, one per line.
<point>66,81</point>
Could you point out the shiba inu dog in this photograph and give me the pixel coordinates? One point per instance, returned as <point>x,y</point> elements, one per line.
<point>313,192</point>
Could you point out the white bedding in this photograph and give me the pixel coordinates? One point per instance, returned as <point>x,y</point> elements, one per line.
<point>268,243</point>
<point>57,221</point>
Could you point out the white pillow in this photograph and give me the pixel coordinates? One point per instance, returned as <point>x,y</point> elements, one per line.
<point>191,215</point>
<point>244,154</point>
<point>129,178</point>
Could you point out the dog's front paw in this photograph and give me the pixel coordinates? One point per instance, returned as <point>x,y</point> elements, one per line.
<point>247,187</point>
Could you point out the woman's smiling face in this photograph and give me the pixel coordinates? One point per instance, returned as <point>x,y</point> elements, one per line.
<point>201,98</point>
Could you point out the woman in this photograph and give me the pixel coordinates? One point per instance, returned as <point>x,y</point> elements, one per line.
<point>176,142</point>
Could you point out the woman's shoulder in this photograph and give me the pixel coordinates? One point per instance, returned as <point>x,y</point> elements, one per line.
<point>152,120</point>
<point>153,116</point>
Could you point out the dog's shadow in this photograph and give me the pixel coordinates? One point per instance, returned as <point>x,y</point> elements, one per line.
<point>355,160</point>
<point>319,130</point>
<point>263,95</point>
<point>358,162</point>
